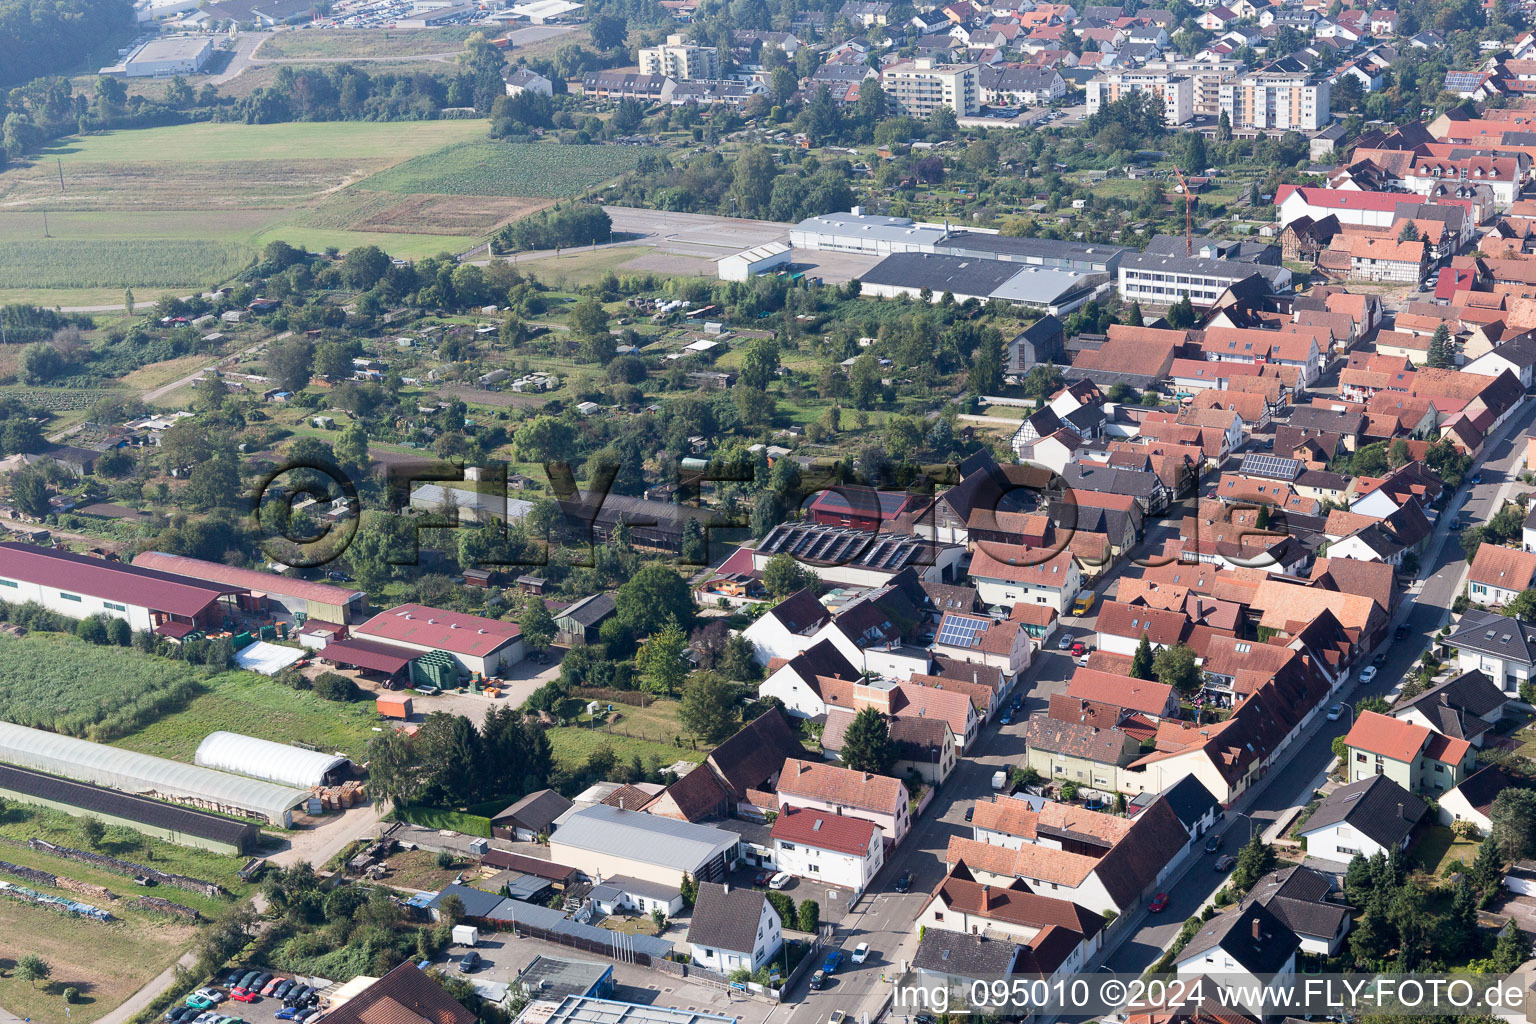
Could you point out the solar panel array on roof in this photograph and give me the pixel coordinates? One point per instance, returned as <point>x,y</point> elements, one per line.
<point>840,546</point>
<point>1272,466</point>
<point>962,630</point>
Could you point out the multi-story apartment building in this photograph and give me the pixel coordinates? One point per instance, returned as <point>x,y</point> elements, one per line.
<point>920,86</point>
<point>1206,77</point>
<point>680,61</point>
<point>1176,90</point>
<point>1279,100</point>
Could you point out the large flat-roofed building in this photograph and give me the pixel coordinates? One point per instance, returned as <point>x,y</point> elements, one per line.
<point>1175,90</point>
<point>478,644</point>
<point>919,87</point>
<point>79,586</point>
<point>587,1010</point>
<point>321,601</point>
<point>605,841</point>
<point>1276,100</point>
<point>857,231</point>
<point>914,274</point>
<point>178,55</point>
<point>1034,252</point>
<point>1162,280</point>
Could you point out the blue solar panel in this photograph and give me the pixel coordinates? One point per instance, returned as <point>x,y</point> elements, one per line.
<point>961,630</point>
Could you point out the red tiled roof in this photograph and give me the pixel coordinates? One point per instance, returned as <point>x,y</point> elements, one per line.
<point>454,632</point>
<point>1124,691</point>
<point>248,579</point>
<point>110,581</point>
<point>837,832</point>
<point>1387,736</point>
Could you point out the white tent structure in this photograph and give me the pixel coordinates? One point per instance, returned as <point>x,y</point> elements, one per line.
<point>147,775</point>
<point>268,659</point>
<point>264,759</point>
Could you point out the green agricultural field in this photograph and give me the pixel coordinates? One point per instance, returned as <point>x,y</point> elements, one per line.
<point>59,262</point>
<point>53,681</point>
<point>183,208</point>
<point>485,167</point>
<point>245,702</point>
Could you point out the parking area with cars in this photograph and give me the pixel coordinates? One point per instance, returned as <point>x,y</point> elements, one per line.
<point>249,996</point>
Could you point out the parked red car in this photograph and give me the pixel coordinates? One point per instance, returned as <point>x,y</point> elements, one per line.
<point>1159,903</point>
<point>1079,648</point>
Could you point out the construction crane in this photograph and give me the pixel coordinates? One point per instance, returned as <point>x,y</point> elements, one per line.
<point>1189,203</point>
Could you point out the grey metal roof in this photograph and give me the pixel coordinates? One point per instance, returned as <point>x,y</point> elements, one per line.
<point>960,275</point>
<point>264,759</point>
<point>477,902</point>
<point>145,774</point>
<point>895,229</point>
<point>637,887</point>
<point>1045,286</point>
<point>536,810</point>
<point>535,916</point>
<point>647,838</point>
<point>1046,250</point>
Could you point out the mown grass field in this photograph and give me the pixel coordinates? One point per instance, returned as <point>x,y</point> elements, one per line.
<point>245,702</point>
<point>106,962</point>
<point>485,167</point>
<point>641,732</point>
<point>374,42</point>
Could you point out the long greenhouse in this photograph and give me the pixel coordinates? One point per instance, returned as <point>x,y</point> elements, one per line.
<point>147,775</point>
<point>275,762</point>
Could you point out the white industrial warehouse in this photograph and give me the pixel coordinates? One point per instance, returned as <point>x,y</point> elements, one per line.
<point>146,775</point>
<point>275,762</point>
<point>749,263</point>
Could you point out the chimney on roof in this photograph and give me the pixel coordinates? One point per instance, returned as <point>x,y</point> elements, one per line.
<point>986,897</point>
<point>1256,934</point>
<point>1400,813</point>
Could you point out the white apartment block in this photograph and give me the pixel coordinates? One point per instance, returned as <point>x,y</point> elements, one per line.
<point>1206,77</point>
<point>1177,91</point>
<point>680,61</point>
<point>1273,100</point>
<point>920,86</point>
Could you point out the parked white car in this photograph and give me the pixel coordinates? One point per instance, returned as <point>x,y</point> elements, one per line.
<point>860,953</point>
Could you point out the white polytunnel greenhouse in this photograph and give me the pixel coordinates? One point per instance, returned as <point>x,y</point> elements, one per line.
<point>275,762</point>
<point>147,775</point>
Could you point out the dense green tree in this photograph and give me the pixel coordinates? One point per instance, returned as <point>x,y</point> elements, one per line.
<point>867,745</point>
<point>1442,353</point>
<point>1513,830</point>
<point>537,624</point>
<point>711,706</point>
<point>1176,666</point>
<point>660,662</point>
<point>783,575</point>
<point>652,597</point>
<point>1141,661</point>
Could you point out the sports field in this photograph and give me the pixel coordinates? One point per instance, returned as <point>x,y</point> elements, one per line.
<point>185,207</point>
